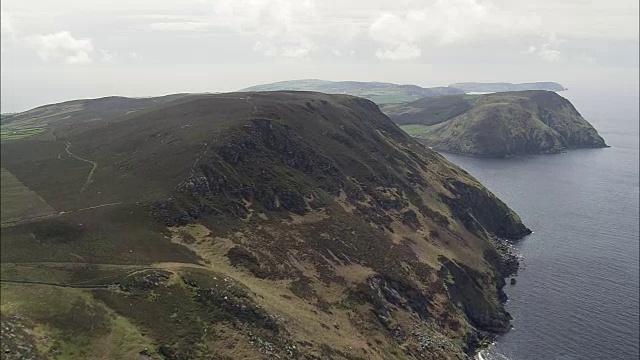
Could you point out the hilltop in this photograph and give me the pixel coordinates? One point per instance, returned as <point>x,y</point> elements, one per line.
<point>502,86</point>
<point>378,92</point>
<point>72,113</point>
<point>248,226</point>
<point>500,124</point>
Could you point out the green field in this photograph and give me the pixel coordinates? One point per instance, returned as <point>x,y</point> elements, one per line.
<point>415,129</point>
<point>15,132</point>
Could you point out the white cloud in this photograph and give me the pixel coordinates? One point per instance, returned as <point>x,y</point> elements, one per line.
<point>62,46</point>
<point>445,22</point>
<point>399,52</point>
<point>397,36</point>
<point>548,51</point>
<point>292,28</point>
<point>281,27</point>
<point>549,55</point>
<point>180,26</point>
<point>292,50</point>
<point>9,32</point>
<point>391,30</point>
<point>106,56</point>
<point>6,23</point>
<point>58,46</point>
<point>587,59</point>
<point>79,58</point>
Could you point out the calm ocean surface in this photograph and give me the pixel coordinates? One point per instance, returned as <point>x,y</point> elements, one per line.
<point>577,294</point>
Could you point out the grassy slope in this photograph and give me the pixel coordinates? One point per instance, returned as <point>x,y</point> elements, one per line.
<point>296,224</point>
<point>43,118</point>
<point>501,124</point>
<point>380,93</point>
<point>18,202</point>
<point>429,111</point>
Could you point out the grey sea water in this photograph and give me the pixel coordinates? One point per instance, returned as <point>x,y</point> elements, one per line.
<point>577,297</point>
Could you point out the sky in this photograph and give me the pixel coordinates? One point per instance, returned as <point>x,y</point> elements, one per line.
<point>67,49</point>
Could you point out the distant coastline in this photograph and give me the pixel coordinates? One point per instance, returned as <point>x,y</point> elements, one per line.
<point>470,87</point>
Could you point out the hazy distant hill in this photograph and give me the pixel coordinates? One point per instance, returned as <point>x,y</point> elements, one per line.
<point>380,93</point>
<point>500,87</point>
<point>500,124</point>
<point>248,226</point>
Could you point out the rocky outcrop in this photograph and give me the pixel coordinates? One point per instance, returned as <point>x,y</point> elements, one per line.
<point>479,210</point>
<point>468,290</point>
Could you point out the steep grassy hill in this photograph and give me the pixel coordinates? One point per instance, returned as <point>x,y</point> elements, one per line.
<point>502,87</point>
<point>380,93</point>
<point>501,124</point>
<point>250,226</point>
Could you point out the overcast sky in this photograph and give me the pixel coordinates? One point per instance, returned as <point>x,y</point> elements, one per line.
<point>65,49</point>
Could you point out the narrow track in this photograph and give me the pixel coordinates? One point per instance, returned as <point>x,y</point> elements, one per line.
<point>77,286</point>
<point>94,165</point>
<point>21,221</point>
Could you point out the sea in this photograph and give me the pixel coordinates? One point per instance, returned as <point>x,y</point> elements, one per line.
<point>577,294</point>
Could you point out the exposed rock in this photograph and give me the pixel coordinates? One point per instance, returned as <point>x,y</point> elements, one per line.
<point>144,280</point>
<point>468,289</point>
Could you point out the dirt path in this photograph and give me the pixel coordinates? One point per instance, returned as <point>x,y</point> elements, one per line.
<point>195,163</point>
<point>171,266</point>
<point>178,265</point>
<point>21,221</point>
<point>255,108</point>
<point>77,286</point>
<point>94,207</point>
<point>94,165</point>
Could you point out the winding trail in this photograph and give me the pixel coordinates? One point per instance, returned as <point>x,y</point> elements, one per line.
<point>95,282</point>
<point>255,108</point>
<point>193,166</point>
<point>93,163</point>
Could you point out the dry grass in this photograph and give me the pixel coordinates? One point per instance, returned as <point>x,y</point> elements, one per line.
<point>302,318</point>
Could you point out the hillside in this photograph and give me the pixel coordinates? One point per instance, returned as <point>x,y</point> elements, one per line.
<point>75,112</point>
<point>502,87</point>
<point>501,124</point>
<point>380,93</point>
<point>249,226</point>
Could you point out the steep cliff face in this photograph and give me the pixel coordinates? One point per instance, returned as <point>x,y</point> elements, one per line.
<point>501,124</point>
<point>337,234</point>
